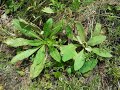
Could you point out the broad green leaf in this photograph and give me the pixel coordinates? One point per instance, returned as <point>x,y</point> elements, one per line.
<point>97,29</point>
<point>16,42</point>
<point>23,55</point>
<point>79,60</point>
<point>78,39</point>
<point>47,10</point>
<point>88,65</point>
<point>55,54</point>
<point>24,28</point>
<point>96,40</point>
<point>57,27</point>
<point>31,25</point>
<point>56,30</point>
<point>37,69</point>
<point>47,27</point>
<point>101,52</point>
<point>38,63</point>
<point>81,31</point>
<point>40,55</point>
<point>69,32</point>
<point>68,52</point>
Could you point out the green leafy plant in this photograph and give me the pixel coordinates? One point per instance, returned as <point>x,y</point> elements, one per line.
<point>84,53</point>
<point>12,5</point>
<point>57,5</point>
<point>43,43</point>
<point>75,5</point>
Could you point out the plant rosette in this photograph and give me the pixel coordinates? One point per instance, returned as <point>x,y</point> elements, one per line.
<point>42,43</point>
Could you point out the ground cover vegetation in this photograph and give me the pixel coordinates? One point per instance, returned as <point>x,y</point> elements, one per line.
<point>59,45</point>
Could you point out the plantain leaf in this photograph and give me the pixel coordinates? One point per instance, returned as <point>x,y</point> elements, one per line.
<point>79,60</point>
<point>101,52</point>
<point>68,52</point>
<point>81,31</point>
<point>16,42</point>
<point>23,55</point>
<point>69,32</point>
<point>31,25</point>
<point>47,27</point>
<point>38,63</point>
<point>96,40</point>
<point>55,54</point>
<point>88,65</point>
<point>57,27</point>
<point>97,29</point>
<point>47,10</point>
<point>24,28</point>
